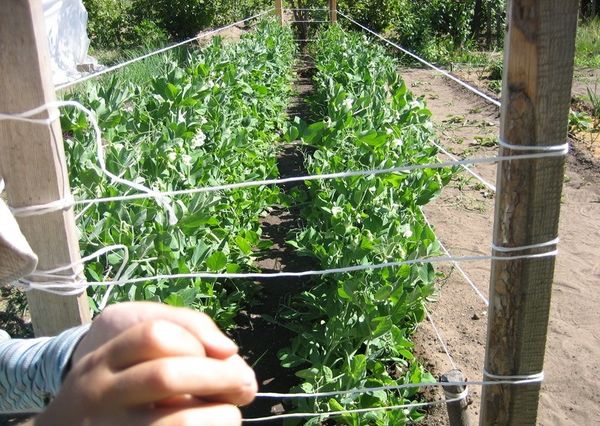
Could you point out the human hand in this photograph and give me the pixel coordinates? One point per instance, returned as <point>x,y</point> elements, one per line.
<point>117,318</point>
<point>154,372</point>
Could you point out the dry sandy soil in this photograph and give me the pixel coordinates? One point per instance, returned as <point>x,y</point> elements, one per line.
<point>463,219</point>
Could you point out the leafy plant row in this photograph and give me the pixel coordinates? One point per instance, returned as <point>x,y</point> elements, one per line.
<point>213,120</point>
<point>353,330</point>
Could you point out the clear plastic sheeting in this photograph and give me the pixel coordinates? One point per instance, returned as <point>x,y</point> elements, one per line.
<point>66,25</point>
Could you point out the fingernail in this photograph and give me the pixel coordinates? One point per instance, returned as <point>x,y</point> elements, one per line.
<point>224,342</point>
<point>250,379</point>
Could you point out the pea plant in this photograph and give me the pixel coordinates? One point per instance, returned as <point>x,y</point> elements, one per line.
<point>212,120</point>
<point>353,330</point>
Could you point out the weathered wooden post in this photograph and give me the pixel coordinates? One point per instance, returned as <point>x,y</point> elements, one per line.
<point>457,410</point>
<point>32,160</point>
<point>333,11</point>
<point>538,69</point>
<point>279,11</point>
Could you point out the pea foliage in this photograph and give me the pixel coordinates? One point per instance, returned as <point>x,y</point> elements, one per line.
<point>353,329</point>
<point>213,120</point>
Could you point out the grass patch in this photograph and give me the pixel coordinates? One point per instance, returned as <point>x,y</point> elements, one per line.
<point>587,48</point>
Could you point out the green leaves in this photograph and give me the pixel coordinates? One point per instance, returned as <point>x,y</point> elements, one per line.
<point>216,261</point>
<point>196,123</point>
<point>349,323</point>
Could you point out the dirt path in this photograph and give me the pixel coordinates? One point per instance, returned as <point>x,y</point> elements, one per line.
<point>258,324</point>
<point>463,220</point>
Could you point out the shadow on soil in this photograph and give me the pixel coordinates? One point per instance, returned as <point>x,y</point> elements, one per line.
<point>258,336</point>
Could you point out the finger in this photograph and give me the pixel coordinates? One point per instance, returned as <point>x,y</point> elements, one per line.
<point>205,415</point>
<point>205,378</point>
<point>217,344</point>
<point>151,340</point>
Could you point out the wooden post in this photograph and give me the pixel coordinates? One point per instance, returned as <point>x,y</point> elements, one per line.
<point>538,70</point>
<point>279,11</point>
<point>32,160</point>
<point>457,410</point>
<point>333,11</point>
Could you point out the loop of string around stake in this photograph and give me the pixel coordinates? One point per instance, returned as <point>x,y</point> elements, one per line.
<point>456,396</point>
<point>67,202</point>
<point>52,281</point>
<point>563,149</point>
<point>502,249</point>
<point>529,378</point>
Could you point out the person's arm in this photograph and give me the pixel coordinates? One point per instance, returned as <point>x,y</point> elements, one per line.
<point>150,364</point>
<point>32,370</point>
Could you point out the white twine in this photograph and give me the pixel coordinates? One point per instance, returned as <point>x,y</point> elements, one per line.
<point>457,266</point>
<point>308,22</point>
<point>424,62</point>
<point>75,282</point>
<point>258,275</point>
<point>442,342</point>
<point>326,176</point>
<point>67,201</point>
<point>156,52</point>
<point>456,396</point>
<point>314,9</point>
<point>351,411</point>
<point>502,380</point>
<point>487,184</point>
<point>550,243</point>
<point>562,148</point>
<point>526,378</point>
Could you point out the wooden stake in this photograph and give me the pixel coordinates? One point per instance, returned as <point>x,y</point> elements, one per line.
<point>333,11</point>
<point>279,11</point>
<point>32,160</point>
<point>538,71</point>
<point>457,410</point>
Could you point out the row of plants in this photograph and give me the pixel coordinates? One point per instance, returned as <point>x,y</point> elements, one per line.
<point>434,28</point>
<point>118,24</point>
<point>353,330</point>
<point>210,121</point>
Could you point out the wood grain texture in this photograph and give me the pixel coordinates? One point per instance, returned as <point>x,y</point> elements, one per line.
<point>32,160</point>
<point>538,74</point>
<point>457,410</point>
<point>333,11</point>
<point>279,11</point>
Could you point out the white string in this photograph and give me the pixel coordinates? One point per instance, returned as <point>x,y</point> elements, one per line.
<point>457,266</point>
<point>67,202</point>
<point>76,281</point>
<point>458,396</point>
<point>562,148</point>
<point>550,243</point>
<point>156,52</point>
<point>351,411</point>
<point>489,185</point>
<point>424,62</point>
<point>503,380</point>
<point>40,209</point>
<point>327,176</point>
<point>314,9</point>
<point>531,378</point>
<point>61,204</point>
<point>442,342</point>
<point>259,275</point>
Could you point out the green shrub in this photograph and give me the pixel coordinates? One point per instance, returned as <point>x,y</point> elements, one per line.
<point>112,24</point>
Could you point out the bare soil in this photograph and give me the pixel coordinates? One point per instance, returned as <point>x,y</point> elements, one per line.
<point>463,220</point>
<point>260,336</point>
